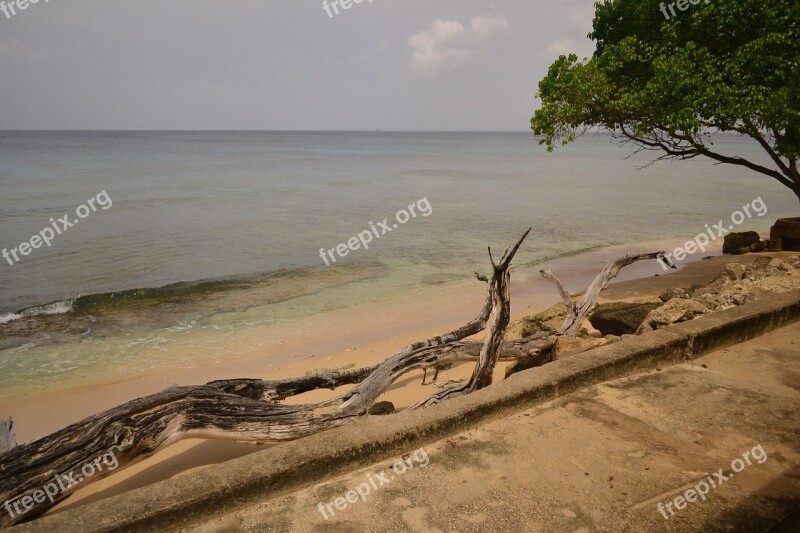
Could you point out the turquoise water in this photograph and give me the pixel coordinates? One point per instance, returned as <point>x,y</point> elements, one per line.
<point>215,233</point>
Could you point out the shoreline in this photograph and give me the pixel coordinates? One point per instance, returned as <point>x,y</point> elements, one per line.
<point>353,337</point>
<point>191,455</point>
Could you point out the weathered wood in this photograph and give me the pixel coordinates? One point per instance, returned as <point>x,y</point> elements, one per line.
<point>536,349</point>
<point>499,290</point>
<point>577,313</point>
<point>8,437</point>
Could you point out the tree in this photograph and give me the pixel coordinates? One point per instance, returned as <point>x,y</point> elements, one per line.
<point>668,82</point>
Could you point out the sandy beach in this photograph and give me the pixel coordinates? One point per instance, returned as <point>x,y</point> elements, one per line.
<point>40,415</point>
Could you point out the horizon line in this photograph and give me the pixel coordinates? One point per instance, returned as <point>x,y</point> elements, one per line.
<point>261,131</point>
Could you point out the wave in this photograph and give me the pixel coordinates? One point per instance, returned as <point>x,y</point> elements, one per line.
<point>54,308</point>
<point>215,295</point>
<point>552,257</point>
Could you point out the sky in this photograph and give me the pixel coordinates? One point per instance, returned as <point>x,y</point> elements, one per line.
<point>437,65</point>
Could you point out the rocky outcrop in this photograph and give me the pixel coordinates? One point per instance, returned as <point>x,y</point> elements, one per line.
<point>565,346</point>
<point>785,235</point>
<point>742,243</point>
<point>381,408</point>
<point>620,318</point>
<point>675,310</point>
<point>675,293</point>
<point>547,321</point>
<point>736,285</point>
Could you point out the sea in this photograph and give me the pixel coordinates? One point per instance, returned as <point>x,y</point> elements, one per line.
<point>211,241</point>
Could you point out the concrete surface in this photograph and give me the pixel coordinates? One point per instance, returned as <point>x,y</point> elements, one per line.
<point>600,459</point>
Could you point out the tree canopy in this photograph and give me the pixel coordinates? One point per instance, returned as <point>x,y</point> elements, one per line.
<point>668,82</point>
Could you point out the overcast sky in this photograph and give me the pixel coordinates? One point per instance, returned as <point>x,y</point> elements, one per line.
<point>282,64</point>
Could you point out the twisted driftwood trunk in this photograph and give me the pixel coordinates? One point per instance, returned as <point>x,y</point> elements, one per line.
<point>248,409</point>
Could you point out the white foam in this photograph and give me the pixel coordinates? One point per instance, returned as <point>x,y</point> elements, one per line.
<point>55,308</point>
<point>9,317</point>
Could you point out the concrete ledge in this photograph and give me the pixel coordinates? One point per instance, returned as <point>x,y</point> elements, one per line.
<point>192,499</point>
<point>739,324</point>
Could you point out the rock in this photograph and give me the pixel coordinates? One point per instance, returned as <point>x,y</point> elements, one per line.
<point>733,271</point>
<point>711,301</point>
<point>674,293</point>
<point>762,262</point>
<point>780,265</point>
<point>565,346</point>
<point>677,310</point>
<point>785,235</point>
<point>620,318</point>
<point>735,242</point>
<point>381,408</point>
<point>547,321</point>
<point>720,284</point>
<point>761,246</point>
<point>739,299</point>
<point>532,326</point>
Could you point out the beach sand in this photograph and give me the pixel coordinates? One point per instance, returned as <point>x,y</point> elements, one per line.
<point>43,414</point>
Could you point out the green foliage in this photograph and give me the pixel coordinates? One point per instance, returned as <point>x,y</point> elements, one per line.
<point>726,65</point>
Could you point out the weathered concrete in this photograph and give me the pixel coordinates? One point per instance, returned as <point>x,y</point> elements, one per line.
<point>739,324</point>
<point>600,459</point>
<point>193,499</point>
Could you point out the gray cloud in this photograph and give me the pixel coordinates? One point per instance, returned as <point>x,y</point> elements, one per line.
<point>447,44</point>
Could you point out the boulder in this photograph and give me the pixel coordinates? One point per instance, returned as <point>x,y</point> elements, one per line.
<point>381,408</point>
<point>620,318</point>
<point>739,299</point>
<point>565,346</point>
<point>547,321</point>
<point>712,301</point>
<point>674,293</point>
<point>780,265</point>
<point>677,310</point>
<point>733,271</point>
<point>739,243</point>
<point>762,263</point>
<point>785,235</point>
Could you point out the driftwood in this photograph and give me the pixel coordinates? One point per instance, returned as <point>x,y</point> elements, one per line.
<point>249,409</point>
<point>578,312</point>
<point>8,439</point>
